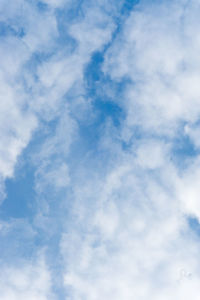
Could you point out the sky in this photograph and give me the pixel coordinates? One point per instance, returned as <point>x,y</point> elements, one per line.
<point>99,150</point>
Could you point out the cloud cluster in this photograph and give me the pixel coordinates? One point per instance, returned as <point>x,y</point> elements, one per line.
<point>160,56</point>
<point>132,238</point>
<point>43,56</point>
<point>114,100</point>
<point>32,281</point>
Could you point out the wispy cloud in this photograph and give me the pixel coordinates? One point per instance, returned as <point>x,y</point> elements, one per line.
<point>100,103</point>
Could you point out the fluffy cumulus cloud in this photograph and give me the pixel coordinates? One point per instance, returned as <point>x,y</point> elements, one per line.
<point>99,150</point>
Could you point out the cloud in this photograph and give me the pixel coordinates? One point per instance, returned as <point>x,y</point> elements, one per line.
<point>112,202</point>
<point>18,120</point>
<point>17,123</point>
<point>160,56</point>
<point>131,240</point>
<point>131,234</point>
<point>30,281</point>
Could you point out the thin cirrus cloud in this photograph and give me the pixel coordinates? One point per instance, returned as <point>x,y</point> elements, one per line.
<point>99,150</point>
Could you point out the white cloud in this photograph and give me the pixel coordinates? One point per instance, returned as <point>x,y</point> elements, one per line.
<point>93,31</point>
<point>29,281</point>
<point>127,235</point>
<point>133,242</point>
<point>17,123</point>
<point>151,154</point>
<point>62,74</point>
<point>41,31</point>
<point>131,239</point>
<point>160,56</point>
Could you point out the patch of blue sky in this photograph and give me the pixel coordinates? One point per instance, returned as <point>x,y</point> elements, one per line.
<point>183,149</point>
<point>9,30</point>
<point>103,91</point>
<point>104,109</point>
<point>40,5</point>
<point>129,5</point>
<point>43,7</point>
<point>20,204</point>
<point>18,242</point>
<point>194,225</point>
<point>21,196</point>
<point>99,87</point>
<point>20,199</point>
<point>71,13</point>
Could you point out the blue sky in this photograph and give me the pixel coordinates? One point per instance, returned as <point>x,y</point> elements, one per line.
<point>99,150</point>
